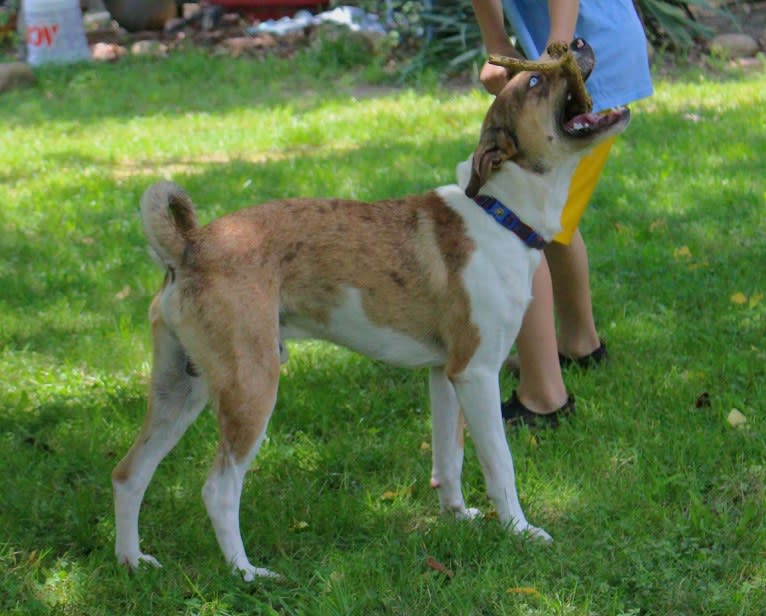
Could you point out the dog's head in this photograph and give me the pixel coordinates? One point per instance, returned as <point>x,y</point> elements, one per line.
<point>542,116</point>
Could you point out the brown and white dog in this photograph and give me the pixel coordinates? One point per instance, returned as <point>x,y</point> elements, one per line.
<point>428,280</point>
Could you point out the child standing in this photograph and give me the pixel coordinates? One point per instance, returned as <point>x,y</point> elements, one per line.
<point>561,283</point>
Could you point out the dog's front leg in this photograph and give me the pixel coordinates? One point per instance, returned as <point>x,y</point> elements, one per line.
<point>447,445</point>
<point>478,392</point>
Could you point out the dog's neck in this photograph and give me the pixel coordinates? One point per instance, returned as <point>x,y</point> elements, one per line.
<point>536,198</point>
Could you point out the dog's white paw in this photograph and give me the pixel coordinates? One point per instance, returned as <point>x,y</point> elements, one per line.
<point>469,513</point>
<point>249,572</point>
<point>536,533</point>
<point>134,561</point>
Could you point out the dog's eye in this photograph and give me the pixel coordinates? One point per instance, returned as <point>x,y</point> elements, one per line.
<point>534,80</point>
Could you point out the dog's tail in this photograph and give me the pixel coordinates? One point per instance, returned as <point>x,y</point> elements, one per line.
<point>169,217</point>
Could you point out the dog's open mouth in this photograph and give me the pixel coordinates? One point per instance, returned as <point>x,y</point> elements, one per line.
<point>578,121</point>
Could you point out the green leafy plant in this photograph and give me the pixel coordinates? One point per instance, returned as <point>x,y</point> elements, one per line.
<point>443,35</point>
<point>672,23</point>
<point>452,36</point>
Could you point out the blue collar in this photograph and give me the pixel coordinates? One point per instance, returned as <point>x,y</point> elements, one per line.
<point>510,221</point>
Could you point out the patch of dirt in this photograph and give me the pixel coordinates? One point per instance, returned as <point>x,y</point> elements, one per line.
<point>228,35</point>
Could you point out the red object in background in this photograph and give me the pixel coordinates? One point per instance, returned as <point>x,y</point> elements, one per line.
<point>270,9</point>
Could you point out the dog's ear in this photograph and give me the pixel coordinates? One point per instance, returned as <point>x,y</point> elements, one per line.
<point>496,145</point>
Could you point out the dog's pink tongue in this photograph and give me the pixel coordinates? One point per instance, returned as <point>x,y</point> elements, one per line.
<point>587,122</point>
<point>584,121</point>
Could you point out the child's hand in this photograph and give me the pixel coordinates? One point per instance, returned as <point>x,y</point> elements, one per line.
<point>493,78</point>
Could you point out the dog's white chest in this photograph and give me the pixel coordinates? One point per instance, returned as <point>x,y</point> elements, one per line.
<point>349,326</point>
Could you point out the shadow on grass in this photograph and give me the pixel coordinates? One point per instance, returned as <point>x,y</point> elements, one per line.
<point>86,269</point>
<point>316,503</point>
<point>80,262</point>
<point>647,492</point>
<point>60,449</point>
<point>676,227</point>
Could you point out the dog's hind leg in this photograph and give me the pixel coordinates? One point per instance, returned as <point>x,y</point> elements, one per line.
<point>447,445</point>
<point>176,397</point>
<point>245,404</point>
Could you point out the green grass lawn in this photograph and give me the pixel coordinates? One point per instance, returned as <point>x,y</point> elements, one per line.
<point>656,503</point>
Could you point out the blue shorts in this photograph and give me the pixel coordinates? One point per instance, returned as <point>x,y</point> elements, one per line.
<point>612,28</point>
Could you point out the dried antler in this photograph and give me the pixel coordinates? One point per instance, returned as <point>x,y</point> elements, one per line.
<point>561,57</point>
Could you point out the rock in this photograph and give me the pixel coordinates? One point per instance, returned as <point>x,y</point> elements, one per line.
<point>100,20</point>
<point>240,45</point>
<point>108,52</point>
<point>190,9</point>
<point>137,15</point>
<point>734,45</point>
<point>751,63</point>
<point>14,75</point>
<point>149,48</point>
<point>175,24</point>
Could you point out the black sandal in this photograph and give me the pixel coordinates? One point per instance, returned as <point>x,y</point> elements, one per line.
<point>516,414</point>
<point>591,360</point>
<point>599,356</point>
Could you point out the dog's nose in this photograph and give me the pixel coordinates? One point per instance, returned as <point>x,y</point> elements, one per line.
<point>584,56</point>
